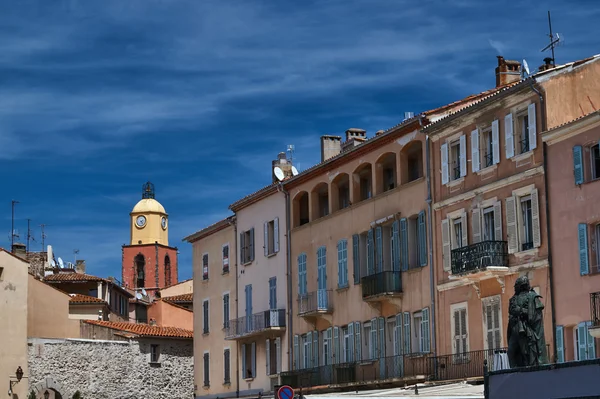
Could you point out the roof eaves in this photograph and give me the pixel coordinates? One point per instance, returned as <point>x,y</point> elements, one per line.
<point>207,231</point>
<point>254,197</point>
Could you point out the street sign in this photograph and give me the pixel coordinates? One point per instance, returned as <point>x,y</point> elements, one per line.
<point>285,392</point>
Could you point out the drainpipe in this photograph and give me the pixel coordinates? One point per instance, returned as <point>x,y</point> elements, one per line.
<point>430,238</point>
<point>237,312</point>
<point>288,242</point>
<point>547,203</point>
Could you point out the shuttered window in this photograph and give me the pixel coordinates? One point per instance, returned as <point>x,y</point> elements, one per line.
<point>407,333</point>
<point>445,163</point>
<point>205,267</point>
<point>459,325</point>
<point>404,259</point>
<point>356,258</point>
<point>206,370</point>
<point>422,239</point>
<point>357,341</point>
<point>446,245</point>
<point>226,366</point>
<point>491,319</point>
<point>584,259</point>
<point>205,328</point>
<point>302,274</point>
<point>475,166</point>
<point>578,164</point>
<point>560,344</point>
<point>226,311</point>
<point>509,138</point>
<point>379,249</point>
<point>342,249</point>
<point>370,252</point>
<point>395,245</point>
<point>585,343</point>
<point>425,331</point>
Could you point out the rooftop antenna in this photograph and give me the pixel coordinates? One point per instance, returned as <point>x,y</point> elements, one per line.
<point>61,264</point>
<point>278,173</point>
<point>525,70</point>
<point>43,235</point>
<point>30,237</point>
<point>294,171</point>
<point>290,150</point>
<point>75,251</point>
<point>12,230</point>
<point>555,40</point>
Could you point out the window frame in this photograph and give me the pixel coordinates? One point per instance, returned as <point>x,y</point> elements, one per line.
<point>486,143</point>
<point>226,369</point>
<point>206,370</point>
<point>155,353</point>
<point>454,164</point>
<point>342,255</point>
<point>205,266</point>
<point>205,316</point>
<point>593,175</point>
<point>226,310</point>
<point>459,356</point>
<point>225,259</point>
<point>490,301</point>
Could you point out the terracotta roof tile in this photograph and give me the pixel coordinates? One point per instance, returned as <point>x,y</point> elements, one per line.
<point>67,277</point>
<point>179,298</point>
<point>81,299</point>
<point>144,330</point>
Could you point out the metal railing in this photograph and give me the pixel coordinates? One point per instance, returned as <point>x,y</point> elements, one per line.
<point>479,256</point>
<point>381,283</point>
<point>318,301</point>
<point>255,323</point>
<point>468,364</point>
<point>595,308</point>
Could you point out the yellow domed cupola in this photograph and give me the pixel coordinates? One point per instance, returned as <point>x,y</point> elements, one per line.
<point>149,220</point>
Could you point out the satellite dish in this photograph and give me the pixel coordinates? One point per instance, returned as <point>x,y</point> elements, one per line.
<point>525,68</point>
<point>278,173</point>
<point>294,171</point>
<point>53,263</point>
<point>61,263</point>
<point>144,293</point>
<point>138,296</point>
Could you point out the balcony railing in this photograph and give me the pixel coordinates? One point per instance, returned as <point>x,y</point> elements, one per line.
<point>388,282</point>
<point>479,256</point>
<point>256,323</point>
<point>595,308</point>
<point>315,302</point>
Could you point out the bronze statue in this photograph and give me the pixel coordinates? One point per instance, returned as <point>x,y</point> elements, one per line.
<point>525,335</point>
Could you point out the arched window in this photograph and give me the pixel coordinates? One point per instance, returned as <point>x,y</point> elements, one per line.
<point>140,265</point>
<point>167,270</point>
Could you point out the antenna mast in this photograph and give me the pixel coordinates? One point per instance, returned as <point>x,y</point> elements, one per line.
<point>28,233</point>
<point>43,235</point>
<point>554,41</point>
<point>12,230</point>
<point>75,251</point>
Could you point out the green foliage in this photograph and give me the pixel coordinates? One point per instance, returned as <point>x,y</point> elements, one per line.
<point>31,395</point>
<point>77,395</point>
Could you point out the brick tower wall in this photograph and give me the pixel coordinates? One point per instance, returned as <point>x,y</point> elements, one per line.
<point>154,271</point>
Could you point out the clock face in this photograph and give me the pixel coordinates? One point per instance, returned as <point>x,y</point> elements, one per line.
<point>163,222</point>
<point>140,221</point>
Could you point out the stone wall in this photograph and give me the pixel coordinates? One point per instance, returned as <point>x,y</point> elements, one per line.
<point>113,369</point>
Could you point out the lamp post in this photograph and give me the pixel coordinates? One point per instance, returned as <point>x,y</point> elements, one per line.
<point>46,395</point>
<point>19,376</point>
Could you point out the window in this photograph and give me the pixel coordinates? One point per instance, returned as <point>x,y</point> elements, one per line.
<point>356,258</point>
<point>327,349</point>
<point>595,161</point>
<point>247,246</point>
<point>489,225</point>
<point>457,233</point>
<point>487,148</point>
<point>418,339</point>
<point>205,316</point>
<point>459,328</point>
<point>140,264</point>
<point>455,160</point>
<point>225,310</point>
<point>585,344</point>
<point>527,226</point>
<point>205,267</point>
<point>225,258</point>
<point>368,341</point>
<point>271,232</point>
<point>302,275</point>
<point>413,243</point>
<point>249,360</point>
<point>522,133</point>
<point>154,353</point>
<point>560,344</point>
<point>1,273</point>
<point>123,305</point>
<point>273,293</point>
<point>226,366</point>
<point>306,351</point>
<point>346,356</point>
<point>342,248</point>
<point>167,270</point>
<point>273,356</point>
<point>206,369</point>
<point>93,292</point>
<point>492,322</point>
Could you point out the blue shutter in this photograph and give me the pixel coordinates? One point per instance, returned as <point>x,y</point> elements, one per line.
<point>560,344</point>
<point>356,258</point>
<point>582,341</point>
<point>407,332</point>
<point>425,331</point>
<point>591,341</point>
<point>273,293</point>
<point>296,354</point>
<point>422,235</point>
<point>340,266</point>
<point>357,340</point>
<point>244,368</point>
<point>578,164</point>
<point>379,250</point>
<point>396,246</point>
<point>584,267</point>
<point>343,259</point>
<point>336,345</point>
<point>398,335</point>
<point>370,253</point>
<point>302,274</point>
<point>404,244</point>
<point>350,348</point>
<point>315,348</point>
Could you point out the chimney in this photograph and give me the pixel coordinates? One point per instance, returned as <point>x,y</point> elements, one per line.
<point>20,250</point>
<point>330,147</point>
<point>80,266</point>
<point>152,322</point>
<point>408,115</point>
<point>354,137</point>
<point>282,163</point>
<point>379,132</point>
<point>548,64</point>
<point>507,71</point>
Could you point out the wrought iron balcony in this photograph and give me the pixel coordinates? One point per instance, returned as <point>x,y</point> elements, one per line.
<point>381,284</point>
<point>478,257</point>
<point>595,313</point>
<point>256,324</point>
<point>316,302</point>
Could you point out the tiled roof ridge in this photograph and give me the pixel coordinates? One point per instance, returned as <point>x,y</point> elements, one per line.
<point>80,277</point>
<point>80,298</point>
<point>208,229</point>
<point>144,330</point>
<point>179,298</point>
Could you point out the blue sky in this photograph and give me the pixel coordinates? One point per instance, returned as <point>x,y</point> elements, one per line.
<point>97,97</point>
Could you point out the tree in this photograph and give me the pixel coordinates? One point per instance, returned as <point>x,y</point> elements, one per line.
<point>31,395</point>
<point>77,395</point>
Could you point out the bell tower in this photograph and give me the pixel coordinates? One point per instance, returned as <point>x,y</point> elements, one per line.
<point>148,261</point>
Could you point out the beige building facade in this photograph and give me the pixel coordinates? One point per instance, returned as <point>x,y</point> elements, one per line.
<point>214,276</point>
<point>13,313</point>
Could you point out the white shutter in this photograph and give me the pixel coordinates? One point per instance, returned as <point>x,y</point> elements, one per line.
<point>532,126</point>
<point>446,245</point>
<point>278,353</point>
<point>315,348</point>
<point>398,335</point>
<point>511,225</point>
<point>276,235</point>
<point>495,141</point>
<point>268,358</point>
<point>463,155</point>
<point>266,247</point>
<point>373,351</point>
<point>475,150</point>
<point>465,229</point>
<point>535,218</point>
<point>357,341</point>
<point>329,345</point>
<point>476,224</point>
<point>350,349</point>
<point>445,176</point>
<point>509,139</point>
<point>308,348</point>
<point>336,345</point>
<point>242,248</point>
<point>498,221</point>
